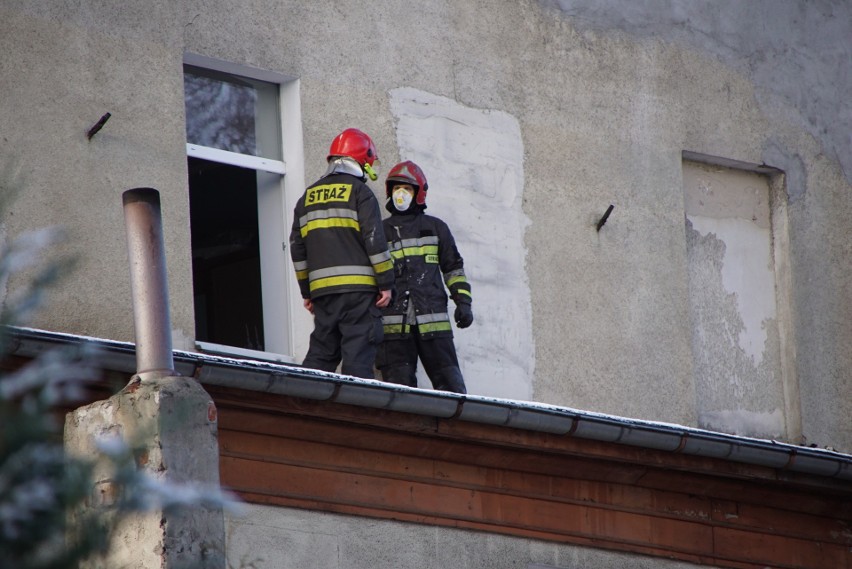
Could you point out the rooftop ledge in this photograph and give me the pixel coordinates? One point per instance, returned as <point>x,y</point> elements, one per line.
<point>294,381</point>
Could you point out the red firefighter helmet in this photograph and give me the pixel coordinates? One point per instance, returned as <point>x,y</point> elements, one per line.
<point>408,173</point>
<point>355,144</point>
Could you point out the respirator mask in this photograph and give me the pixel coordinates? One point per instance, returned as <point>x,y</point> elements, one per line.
<point>402,196</point>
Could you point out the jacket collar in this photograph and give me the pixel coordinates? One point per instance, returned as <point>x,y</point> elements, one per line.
<point>345,165</point>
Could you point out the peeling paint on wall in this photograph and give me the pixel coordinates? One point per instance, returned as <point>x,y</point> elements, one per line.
<point>473,159</point>
<point>736,349</point>
<point>747,275</point>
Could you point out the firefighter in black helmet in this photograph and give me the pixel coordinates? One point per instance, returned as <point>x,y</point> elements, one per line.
<point>416,323</point>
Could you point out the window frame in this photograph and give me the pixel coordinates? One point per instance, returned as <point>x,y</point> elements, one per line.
<point>280,298</point>
<point>236,159</point>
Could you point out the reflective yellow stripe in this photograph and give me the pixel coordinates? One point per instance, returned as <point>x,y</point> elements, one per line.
<point>397,328</point>
<point>454,280</point>
<point>464,292</point>
<point>383,267</point>
<point>434,327</point>
<point>341,271</point>
<point>301,275</point>
<point>332,222</point>
<point>415,251</point>
<point>380,258</point>
<point>344,280</point>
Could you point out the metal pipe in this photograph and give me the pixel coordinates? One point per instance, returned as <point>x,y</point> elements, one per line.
<point>149,287</point>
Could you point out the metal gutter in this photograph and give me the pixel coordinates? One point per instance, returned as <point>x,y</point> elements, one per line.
<point>282,379</point>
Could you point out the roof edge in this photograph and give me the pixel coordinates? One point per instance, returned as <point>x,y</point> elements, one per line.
<point>295,381</point>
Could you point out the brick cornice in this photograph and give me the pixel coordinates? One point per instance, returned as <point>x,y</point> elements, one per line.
<point>342,458</point>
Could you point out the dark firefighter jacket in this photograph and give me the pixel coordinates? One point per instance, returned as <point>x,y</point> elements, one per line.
<point>425,259</point>
<point>337,243</point>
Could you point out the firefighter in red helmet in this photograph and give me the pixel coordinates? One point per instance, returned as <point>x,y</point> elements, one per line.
<point>426,260</point>
<point>341,258</point>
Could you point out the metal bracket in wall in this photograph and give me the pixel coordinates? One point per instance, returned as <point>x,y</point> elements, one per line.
<point>98,126</point>
<point>605,216</point>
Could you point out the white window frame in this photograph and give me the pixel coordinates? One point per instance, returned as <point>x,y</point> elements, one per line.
<point>236,159</point>
<point>282,304</point>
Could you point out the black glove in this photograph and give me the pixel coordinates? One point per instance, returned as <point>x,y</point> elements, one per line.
<point>464,315</point>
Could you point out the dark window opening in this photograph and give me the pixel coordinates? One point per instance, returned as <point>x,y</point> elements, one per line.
<point>225,254</point>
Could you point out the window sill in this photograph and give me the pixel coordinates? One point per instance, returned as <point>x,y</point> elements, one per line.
<point>242,353</point>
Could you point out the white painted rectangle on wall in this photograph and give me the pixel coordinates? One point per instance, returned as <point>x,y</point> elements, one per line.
<point>473,161</point>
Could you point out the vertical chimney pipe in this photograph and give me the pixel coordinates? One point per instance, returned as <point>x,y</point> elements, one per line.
<point>148,283</point>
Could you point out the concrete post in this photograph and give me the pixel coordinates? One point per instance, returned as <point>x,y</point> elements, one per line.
<point>171,424</point>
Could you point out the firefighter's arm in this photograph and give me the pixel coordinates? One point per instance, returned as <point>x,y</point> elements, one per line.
<point>299,255</point>
<point>370,221</point>
<point>460,293</point>
<point>452,267</point>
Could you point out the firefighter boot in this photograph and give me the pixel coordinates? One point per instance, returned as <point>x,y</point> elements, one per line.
<point>403,374</point>
<point>449,379</point>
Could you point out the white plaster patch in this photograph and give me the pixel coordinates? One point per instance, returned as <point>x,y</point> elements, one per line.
<point>747,273</point>
<point>473,160</point>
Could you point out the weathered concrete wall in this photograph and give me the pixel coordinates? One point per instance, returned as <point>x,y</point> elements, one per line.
<point>605,95</point>
<point>778,97</point>
<point>64,69</point>
<point>285,538</point>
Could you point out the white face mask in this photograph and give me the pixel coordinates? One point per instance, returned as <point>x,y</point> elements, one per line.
<point>402,198</point>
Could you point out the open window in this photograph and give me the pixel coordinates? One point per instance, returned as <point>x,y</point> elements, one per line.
<point>237,213</point>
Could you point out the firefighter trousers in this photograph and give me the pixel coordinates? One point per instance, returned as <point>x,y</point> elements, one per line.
<point>397,360</point>
<point>347,327</point>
